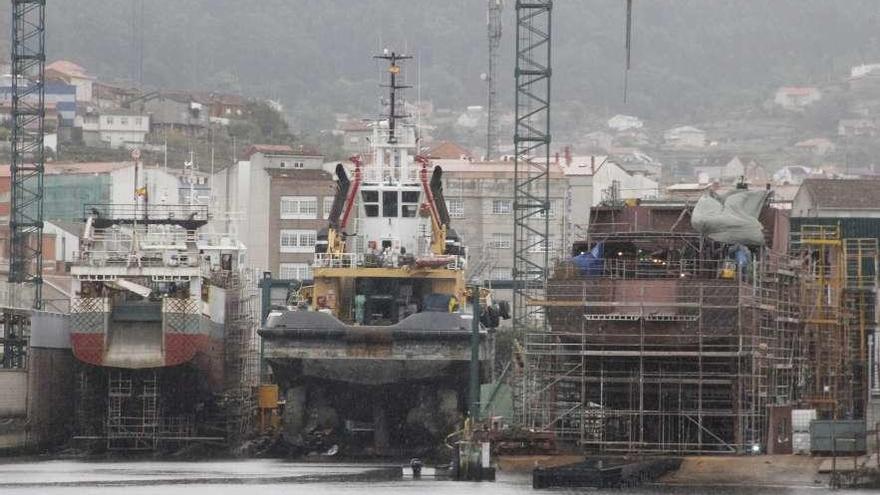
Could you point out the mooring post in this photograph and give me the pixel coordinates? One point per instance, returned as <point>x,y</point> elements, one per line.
<point>474,388</point>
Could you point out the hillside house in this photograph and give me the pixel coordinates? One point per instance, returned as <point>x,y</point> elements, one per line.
<point>837,198</point>
<point>857,128</point>
<point>796,97</point>
<point>816,146</point>
<point>685,137</point>
<point>73,74</point>
<point>625,122</point>
<point>115,128</point>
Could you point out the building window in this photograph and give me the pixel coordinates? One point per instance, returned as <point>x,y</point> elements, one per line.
<point>499,273</point>
<point>138,121</point>
<point>297,241</point>
<point>536,245</point>
<point>502,206</point>
<point>109,120</point>
<point>327,206</point>
<point>294,271</point>
<point>554,207</point>
<point>455,207</point>
<point>501,241</point>
<point>299,207</point>
<point>123,120</point>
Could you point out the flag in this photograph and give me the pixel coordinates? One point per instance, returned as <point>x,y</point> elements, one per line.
<point>141,192</point>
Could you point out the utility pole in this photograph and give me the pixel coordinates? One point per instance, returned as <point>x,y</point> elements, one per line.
<point>494,33</point>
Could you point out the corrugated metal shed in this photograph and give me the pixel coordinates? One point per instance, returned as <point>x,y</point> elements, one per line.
<point>850,228</point>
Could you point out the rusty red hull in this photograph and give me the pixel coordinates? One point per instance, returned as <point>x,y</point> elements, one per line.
<point>203,352</point>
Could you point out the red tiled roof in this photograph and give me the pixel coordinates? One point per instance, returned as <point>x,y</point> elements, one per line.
<point>68,68</point>
<point>355,125</point>
<point>448,150</point>
<point>280,149</point>
<point>484,169</point>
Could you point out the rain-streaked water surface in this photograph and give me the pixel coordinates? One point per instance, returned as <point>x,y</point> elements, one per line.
<point>271,477</point>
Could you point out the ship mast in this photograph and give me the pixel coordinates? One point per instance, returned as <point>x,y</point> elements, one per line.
<point>394,70</point>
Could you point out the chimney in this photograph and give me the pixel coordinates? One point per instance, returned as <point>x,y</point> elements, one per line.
<point>567,155</point>
<point>557,158</point>
<point>593,164</point>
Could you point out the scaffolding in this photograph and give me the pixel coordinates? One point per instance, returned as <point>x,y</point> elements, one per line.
<point>241,352</point>
<point>840,300</point>
<point>15,326</point>
<point>860,298</point>
<point>132,410</point>
<point>666,346</point>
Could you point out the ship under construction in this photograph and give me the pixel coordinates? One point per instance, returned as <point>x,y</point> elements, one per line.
<point>667,337</point>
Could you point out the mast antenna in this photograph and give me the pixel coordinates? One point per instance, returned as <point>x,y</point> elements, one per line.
<point>393,71</point>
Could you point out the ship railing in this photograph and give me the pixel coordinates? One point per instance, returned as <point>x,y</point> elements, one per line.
<point>390,174</point>
<point>141,259</point>
<point>146,235</point>
<point>338,260</point>
<point>139,212</point>
<point>359,260</point>
<point>217,239</point>
<point>605,228</point>
<point>614,268</point>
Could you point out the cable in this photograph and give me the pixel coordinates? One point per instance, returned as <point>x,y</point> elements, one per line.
<point>628,45</point>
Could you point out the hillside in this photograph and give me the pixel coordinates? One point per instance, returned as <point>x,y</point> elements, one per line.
<point>692,60</point>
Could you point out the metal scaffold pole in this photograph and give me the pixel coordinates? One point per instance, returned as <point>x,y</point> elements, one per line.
<point>531,189</point>
<point>28,159</point>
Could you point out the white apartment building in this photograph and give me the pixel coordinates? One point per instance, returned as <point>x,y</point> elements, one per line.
<point>115,129</point>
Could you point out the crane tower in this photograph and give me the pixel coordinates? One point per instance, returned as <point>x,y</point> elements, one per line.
<point>28,158</point>
<point>531,141</point>
<point>494,31</point>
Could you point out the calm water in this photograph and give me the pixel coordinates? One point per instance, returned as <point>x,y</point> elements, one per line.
<point>269,477</point>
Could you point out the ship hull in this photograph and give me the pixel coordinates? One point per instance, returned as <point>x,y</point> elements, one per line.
<point>615,313</point>
<point>371,390</point>
<point>146,336</point>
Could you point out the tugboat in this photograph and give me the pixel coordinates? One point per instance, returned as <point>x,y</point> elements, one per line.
<point>374,358</point>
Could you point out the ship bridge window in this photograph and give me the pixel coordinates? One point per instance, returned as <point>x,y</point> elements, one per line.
<point>371,203</point>
<point>389,204</point>
<point>409,204</point>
